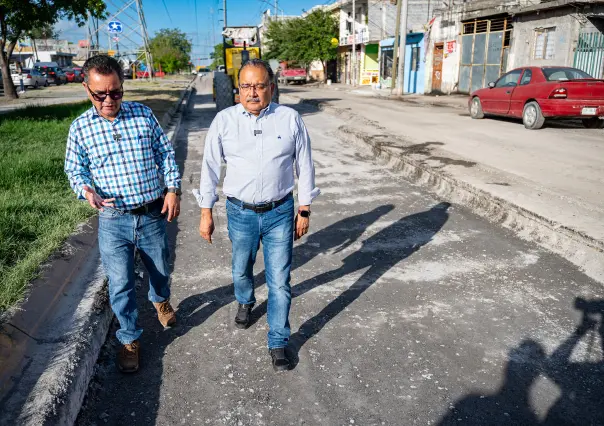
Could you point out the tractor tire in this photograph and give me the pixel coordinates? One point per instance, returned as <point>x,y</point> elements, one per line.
<point>275,98</point>
<point>224,91</point>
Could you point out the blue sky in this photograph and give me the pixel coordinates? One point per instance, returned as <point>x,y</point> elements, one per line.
<point>181,14</point>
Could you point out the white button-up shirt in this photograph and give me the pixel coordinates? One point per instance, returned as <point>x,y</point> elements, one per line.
<point>260,155</point>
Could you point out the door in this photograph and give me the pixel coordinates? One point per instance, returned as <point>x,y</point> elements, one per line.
<point>524,91</point>
<point>437,67</point>
<point>497,100</point>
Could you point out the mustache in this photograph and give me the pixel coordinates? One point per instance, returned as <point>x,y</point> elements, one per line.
<point>253,99</point>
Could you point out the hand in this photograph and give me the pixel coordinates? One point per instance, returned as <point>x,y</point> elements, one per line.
<point>301,225</point>
<point>171,206</point>
<point>206,225</point>
<point>95,200</point>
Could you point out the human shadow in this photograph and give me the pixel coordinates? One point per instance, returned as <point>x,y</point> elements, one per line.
<point>377,255</point>
<point>338,236</point>
<point>581,383</point>
<point>510,405</point>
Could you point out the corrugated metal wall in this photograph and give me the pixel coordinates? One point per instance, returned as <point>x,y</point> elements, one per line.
<point>589,55</point>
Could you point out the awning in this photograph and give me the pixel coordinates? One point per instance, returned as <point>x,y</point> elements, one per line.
<point>412,38</point>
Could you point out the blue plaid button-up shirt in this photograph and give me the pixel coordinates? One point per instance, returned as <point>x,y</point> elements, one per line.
<point>122,159</point>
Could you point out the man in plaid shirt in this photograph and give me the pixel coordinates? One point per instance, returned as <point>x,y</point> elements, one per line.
<point>117,155</point>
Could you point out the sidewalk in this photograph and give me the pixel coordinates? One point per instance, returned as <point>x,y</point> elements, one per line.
<point>452,101</point>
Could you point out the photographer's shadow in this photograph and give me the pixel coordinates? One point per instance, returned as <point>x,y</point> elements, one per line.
<point>581,382</point>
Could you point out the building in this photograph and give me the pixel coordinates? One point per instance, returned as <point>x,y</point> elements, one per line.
<point>27,53</point>
<point>468,44</point>
<point>560,32</point>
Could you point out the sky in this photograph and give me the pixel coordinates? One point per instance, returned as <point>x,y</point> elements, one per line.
<point>181,14</point>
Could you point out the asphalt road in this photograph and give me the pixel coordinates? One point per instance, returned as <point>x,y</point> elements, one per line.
<point>406,311</point>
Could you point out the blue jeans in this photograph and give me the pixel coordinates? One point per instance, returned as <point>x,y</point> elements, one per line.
<point>276,231</point>
<point>119,234</point>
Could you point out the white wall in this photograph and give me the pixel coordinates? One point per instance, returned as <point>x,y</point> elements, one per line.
<point>442,34</point>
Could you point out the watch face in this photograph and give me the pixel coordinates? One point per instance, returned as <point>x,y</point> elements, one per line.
<point>304,213</point>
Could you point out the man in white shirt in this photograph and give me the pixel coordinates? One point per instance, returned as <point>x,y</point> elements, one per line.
<point>262,143</point>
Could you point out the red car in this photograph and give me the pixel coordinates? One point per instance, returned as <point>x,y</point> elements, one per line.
<point>74,75</point>
<point>539,93</point>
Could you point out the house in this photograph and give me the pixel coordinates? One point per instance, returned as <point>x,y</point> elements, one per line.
<point>45,50</point>
<point>560,32</point>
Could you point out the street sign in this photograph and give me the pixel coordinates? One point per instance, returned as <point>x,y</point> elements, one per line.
<point>116,39</point>
<point>111,53</point>
<point>114,27</point>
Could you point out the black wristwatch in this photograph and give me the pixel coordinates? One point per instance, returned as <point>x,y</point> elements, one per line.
<point>174,190</point>
<point>304,213</point>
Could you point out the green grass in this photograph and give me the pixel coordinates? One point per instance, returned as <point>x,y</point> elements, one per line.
<point>38,210</point>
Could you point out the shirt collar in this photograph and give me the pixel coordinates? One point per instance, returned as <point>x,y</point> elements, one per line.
<point>124,109</point>
<point>264,112</point>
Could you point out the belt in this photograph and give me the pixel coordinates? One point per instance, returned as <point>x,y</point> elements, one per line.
<point>145,208</point>
<point>259,208</point>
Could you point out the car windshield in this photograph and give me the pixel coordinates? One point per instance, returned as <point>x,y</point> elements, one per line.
<point>564,74</point>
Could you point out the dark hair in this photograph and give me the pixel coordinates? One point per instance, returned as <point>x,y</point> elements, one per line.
<point>258,63</point>
<point>104,65</point>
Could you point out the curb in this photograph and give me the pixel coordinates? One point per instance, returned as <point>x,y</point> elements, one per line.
<point>585,252</point>
<point>55,372</point>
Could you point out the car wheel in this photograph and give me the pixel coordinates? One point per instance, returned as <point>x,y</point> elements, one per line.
<point>532,117</point>
<point>46,83</point>
<point>593,123</point>
<point>36,85</point>
<point>476,109</point>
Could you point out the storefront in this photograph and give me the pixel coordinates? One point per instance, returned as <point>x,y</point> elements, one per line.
<point>414,63</point>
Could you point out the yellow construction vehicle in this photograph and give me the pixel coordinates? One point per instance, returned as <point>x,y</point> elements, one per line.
<point>240,44</point>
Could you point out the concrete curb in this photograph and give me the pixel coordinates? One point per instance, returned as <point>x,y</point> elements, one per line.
<point>54,381</point>
<point>583,251</point>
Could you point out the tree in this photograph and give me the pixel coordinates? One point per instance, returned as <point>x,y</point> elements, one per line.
<point>19,16</point>
<point>303,39</point>
<point>170,49</point>
<point>217,56</point>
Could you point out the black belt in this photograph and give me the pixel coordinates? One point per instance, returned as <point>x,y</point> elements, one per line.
<point>259,208</point>
<point>144,209</point>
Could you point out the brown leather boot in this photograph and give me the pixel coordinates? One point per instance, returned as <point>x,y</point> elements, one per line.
<point>165,313</point>
<point>128,357</point>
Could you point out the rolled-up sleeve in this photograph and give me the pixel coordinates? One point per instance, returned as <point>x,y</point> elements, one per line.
<point>77,164</point>
<point>305,168</point>
<point>210,168</point>
<point>163,152</point>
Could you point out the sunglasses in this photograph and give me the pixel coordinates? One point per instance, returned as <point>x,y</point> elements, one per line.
<point>115,95</point>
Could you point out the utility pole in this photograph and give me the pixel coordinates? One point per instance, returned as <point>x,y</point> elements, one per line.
<point>400,81</point>
<point>397,33</point>
<point>276,8</point>
<point>225,13</point>
<point>353,62</point>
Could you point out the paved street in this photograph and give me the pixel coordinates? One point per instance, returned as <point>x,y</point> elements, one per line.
<point>556,172</point>
<point>406,310</point>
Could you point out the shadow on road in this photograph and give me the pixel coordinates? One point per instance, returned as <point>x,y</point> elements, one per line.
<point>581,384</point>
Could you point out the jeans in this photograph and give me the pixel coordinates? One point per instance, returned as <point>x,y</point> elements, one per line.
<point>119,234</point>
<point>275,229</point>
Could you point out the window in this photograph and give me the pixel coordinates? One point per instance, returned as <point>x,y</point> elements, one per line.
<point>509,80</point>
<point>526,77</point>
<point>349,24</point>
<point>564,74</point>
<point>545,43</point>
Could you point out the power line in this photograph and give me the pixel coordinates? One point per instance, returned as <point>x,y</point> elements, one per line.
<point>167,12</point>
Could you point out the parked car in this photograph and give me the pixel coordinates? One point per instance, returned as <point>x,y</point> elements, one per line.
<point>292,72</point>
<point>31,78</point>
<point>74,75</point>
<point>537,94</point>
<point>53,73</point>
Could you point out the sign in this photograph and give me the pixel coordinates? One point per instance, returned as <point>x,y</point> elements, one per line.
<point>116,39</point>
<point>114,27</point>
<point>335,42</point>
<point>83,43</point>
<point>451,46</point>
<point>111,53</point>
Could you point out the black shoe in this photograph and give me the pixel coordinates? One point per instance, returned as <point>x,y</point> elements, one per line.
<point>280,360</point>
<point>242,319</point>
